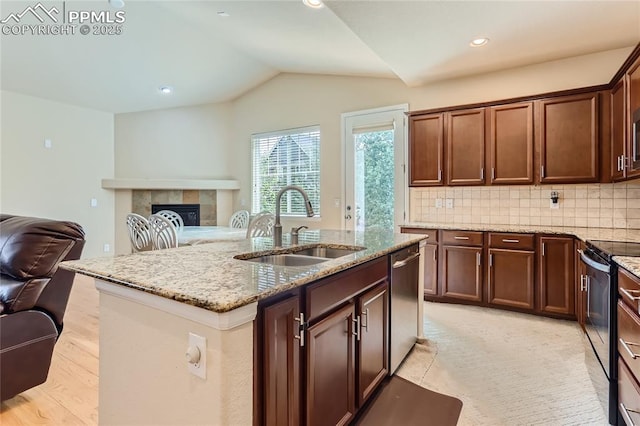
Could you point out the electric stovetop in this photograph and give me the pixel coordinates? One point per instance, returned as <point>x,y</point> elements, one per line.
<point>615,248</point>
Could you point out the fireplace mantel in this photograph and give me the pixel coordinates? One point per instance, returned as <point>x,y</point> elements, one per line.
<point>133,183</point>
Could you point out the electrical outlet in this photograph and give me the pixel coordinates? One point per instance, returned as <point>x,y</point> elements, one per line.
<point>106,248</point>
<point>196,355</point>
<point>47,143</point>
<point>94,202</point>
<point>449,203</point>
<point>438,203</point>
<point>553,205</point>
<point>336,203</point>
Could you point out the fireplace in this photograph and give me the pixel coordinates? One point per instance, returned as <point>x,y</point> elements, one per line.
<point>190,213</point>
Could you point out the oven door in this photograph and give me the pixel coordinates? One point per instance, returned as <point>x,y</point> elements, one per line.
<point>597,282</point>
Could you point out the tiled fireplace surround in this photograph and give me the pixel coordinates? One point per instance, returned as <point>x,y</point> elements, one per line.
<point>614,205</point>
<point>142,199</point>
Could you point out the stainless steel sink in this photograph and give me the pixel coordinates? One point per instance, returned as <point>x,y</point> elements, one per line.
<point>328,252</point>
<point>300,256</point>
<point>289,259</point>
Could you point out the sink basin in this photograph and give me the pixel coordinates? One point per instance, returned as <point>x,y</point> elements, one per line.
<point>300,256</point>
<point>288,259</point>
<point>328,252</point>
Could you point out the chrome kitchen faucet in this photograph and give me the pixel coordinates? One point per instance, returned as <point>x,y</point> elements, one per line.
<point>277,227</point>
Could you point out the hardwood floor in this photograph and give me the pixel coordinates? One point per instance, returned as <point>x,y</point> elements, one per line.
<point>70,394</point>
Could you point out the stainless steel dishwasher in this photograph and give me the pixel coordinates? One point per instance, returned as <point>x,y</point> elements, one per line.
<point>404,303</point>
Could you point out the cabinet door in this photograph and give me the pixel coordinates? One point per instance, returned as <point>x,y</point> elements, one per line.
<point>557,283</point>
<point>331,369</point>
<point>426,148</point>
<point>568,139</point>
<point>510,280</point>
<point>465,147</point>
<point>511,140</point>
<point>462,272</point>
<point>281,363</point>
<point>618,118</point>
<point>373,356</point>
<point>633,102</point>
<point>430,270</point>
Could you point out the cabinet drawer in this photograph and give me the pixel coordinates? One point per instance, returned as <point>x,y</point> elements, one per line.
<point>628,395</point>
<point>331,292</point>
<point>462,238</point>
<point>511,241</point>
<point>629,338</point>
<point>629,289</point>
<point>432,234</point>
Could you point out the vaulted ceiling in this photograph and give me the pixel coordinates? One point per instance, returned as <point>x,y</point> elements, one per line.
<point>208,57</point>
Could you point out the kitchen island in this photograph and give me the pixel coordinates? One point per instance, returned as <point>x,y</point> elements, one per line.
<point>150,302</point>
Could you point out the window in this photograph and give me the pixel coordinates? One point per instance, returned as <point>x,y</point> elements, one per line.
<point>288,157</point>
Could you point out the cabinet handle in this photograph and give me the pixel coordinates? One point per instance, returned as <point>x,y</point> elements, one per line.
<point>356,327</point>
<point>507,240</point>
<point>365,324</point>
<point>493,173</point>
<point>629,294</point>
<point>490,260</point>
<point>435,255</point>
<point>634,144</point>
<point>478,258</point>
<point>439,175</point>
<point>481,173</point>
<point>300,335</point>
<point>583,283</point>
<point>543,249</point>
<point>460,238</point>
<point>625,413</point>
<point>627,347</point>
<point>621,163</point>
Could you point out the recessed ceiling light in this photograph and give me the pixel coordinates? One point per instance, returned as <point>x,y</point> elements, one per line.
<point>480,41</point>
<point>223,14</point>
<point>315,4</point>
<point>118,4</point>
<point>165,90</point>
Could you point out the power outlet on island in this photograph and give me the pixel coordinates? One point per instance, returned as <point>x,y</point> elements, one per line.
<point>196,355</point>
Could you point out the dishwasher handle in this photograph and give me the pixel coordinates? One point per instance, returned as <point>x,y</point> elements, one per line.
<point>584,256</point>
<point>400,263</point>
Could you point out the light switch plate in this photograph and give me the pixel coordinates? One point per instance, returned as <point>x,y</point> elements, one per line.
<point>449,203</point>
<point>438,203</point>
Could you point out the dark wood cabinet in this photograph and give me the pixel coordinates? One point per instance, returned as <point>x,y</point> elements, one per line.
<point>556,275</point>
<point>372,340</point>
<point>330,377</point>
<point>461,272</point>
<point>568,142</point>
<point>633,102</point>
<point>426,150</point>
<point>281,362</point>
<point>465,138</point>
<point>510,280</point>
<point>511,143</point>
<point>617,131</point>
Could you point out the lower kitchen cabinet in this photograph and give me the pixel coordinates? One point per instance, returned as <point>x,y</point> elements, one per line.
<point>556,275</point>
<point>510,281</point>
<point>281,362</point>
<point>331,369</point>
<point>323,350</point>
<point>462,272</point>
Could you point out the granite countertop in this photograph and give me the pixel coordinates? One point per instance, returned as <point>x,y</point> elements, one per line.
<point>579,232</point>
<point>631,264</point>
<point>208,276</point>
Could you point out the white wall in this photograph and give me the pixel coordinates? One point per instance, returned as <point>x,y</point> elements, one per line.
<point>57,183</point>
<point>191,142</point>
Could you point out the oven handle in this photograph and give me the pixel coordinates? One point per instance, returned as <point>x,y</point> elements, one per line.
<point>595,265</point>
<point>625,414</point>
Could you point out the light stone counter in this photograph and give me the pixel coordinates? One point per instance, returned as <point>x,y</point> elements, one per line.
<point>208,276</point>
<point>631,264</point>
<point>579,232</point>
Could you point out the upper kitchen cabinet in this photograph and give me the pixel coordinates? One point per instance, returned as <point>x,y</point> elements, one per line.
<point>567,133</point>
<point>633,120</point>
<point>511,143</point>
<point>618,126</point>
<point>465,146</point>
<point>426,149</point>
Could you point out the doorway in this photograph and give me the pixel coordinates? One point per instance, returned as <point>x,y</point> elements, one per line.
<point>375,168</point>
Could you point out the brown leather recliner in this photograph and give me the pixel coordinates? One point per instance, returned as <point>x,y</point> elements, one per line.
<point>33,296</point>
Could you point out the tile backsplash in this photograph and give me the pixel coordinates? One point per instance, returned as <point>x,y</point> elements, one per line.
<point>614,205</point>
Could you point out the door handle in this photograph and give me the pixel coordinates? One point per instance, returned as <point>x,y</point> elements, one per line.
<point>300,335</point>
<point>356,327</point>
<point>365,324</point>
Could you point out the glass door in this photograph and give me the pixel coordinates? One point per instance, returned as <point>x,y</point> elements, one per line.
<point>375,179</point>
